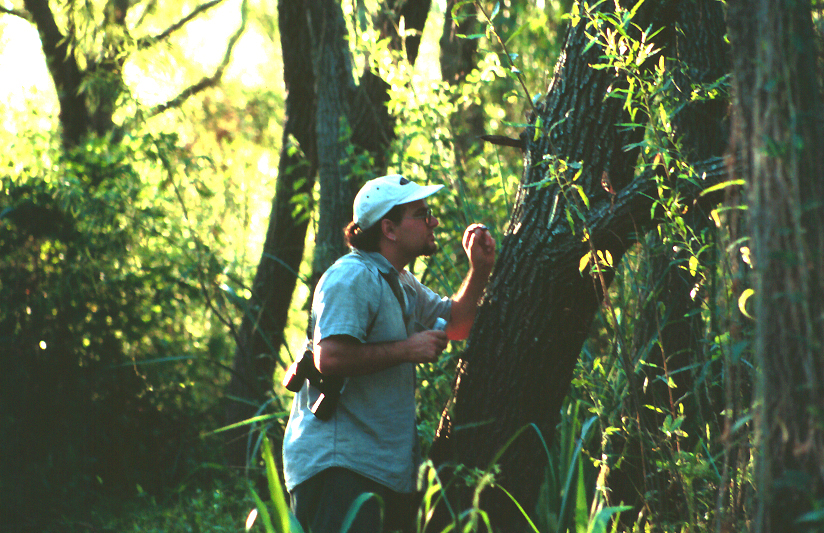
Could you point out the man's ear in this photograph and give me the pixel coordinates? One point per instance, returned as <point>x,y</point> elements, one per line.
<point>388,229</point>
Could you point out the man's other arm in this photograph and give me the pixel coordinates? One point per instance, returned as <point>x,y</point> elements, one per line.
<point>341,355</point>
<point>480,248</point>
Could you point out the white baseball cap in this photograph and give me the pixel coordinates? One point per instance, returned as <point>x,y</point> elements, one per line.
<point>379,195</point>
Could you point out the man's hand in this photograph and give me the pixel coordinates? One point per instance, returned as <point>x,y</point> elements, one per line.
<point>426,346</point>
<point>480,248</point>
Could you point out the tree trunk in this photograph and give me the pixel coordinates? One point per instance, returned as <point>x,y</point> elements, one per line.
<point>64,71</point>
<point>332,66</point>
<point>457,54</point>
<point>414,13</point>
<point>347,116</point>
<point>88,96</point>
<point>260,336</point>
<point>522,351</point>
<point>330,118</point>
<point>779,108</point>
<point>458,57</point>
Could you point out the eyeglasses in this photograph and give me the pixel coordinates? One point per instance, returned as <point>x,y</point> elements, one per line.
<point>426,217</point>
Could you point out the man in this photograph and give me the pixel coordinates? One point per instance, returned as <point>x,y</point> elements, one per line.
<point>373,322</point>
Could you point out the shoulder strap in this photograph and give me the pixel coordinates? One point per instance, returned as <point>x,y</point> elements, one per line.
<point>395,285</point>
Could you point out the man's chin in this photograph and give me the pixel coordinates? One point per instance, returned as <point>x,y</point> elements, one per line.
<point>430,249</point>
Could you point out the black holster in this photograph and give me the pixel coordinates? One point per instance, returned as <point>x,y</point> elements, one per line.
<point>303,369</point>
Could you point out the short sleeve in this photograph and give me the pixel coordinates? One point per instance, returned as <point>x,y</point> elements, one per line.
<point>345,301</point>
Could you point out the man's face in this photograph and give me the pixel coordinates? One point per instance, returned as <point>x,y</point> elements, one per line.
<point>415,232</point>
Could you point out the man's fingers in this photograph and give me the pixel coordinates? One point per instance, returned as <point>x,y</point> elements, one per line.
<point>473,231</point>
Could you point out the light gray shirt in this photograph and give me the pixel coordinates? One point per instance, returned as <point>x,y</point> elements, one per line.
<point>372,430</point>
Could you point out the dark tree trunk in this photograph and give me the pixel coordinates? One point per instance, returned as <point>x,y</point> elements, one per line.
<point>329,118</point>
<point>348,116</point>
<point>780,120</point>
<point>88,96</point>
<point>64,71</point>
<point>457,55</point>
<point>414,13</point>
<point>260,336</point>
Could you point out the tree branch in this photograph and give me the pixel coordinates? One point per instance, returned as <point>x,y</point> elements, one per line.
<point>214,79</point>
<point>25,15</point>
<point>146,42</point>
<point>638,197</point>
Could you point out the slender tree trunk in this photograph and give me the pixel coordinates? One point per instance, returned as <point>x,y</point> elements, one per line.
<point>457,54</point>
<point>64,71</point>
<point>318,115</point>
<point>458,57</point>
<point>348,117</point>
<point>414,13</point>
<point>260,336</point>
<point>332,66</point>
<point>88,94</point>
<point>779,108</point>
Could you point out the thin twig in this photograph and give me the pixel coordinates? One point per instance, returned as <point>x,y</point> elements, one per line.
<point>508,57</point>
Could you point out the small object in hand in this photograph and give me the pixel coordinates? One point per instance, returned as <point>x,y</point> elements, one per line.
<point>440,324</point>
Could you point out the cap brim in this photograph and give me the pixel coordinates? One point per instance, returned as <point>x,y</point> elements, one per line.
<point>423,191</point>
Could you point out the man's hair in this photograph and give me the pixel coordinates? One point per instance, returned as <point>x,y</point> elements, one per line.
<point>368,239</point>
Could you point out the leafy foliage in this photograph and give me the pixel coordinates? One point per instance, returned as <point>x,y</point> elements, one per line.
<point>111,320</point>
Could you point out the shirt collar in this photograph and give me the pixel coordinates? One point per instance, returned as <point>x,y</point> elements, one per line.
<point>377,259</point>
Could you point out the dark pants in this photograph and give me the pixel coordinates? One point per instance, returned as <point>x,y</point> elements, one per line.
<point>322,502</point>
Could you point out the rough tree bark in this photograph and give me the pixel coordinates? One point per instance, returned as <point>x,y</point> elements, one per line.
<point>332,65</point>
<point>347,116</point>
<point>780,114</point>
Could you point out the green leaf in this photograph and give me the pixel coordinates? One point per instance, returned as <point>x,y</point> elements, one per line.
<point>566,511</point>
<point>282,523</point>
<point>816,516</point>
<point>693,265</point>
<point>355,507</point>
<point>515,34</point>
<point>538,123</point>
<point>742,302</point>
<point>583,262</point>
<point>720,186</point>
<point>471,37</point>
<point>263,513</point>
<point>600,521</point>
<point>583,195</point>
